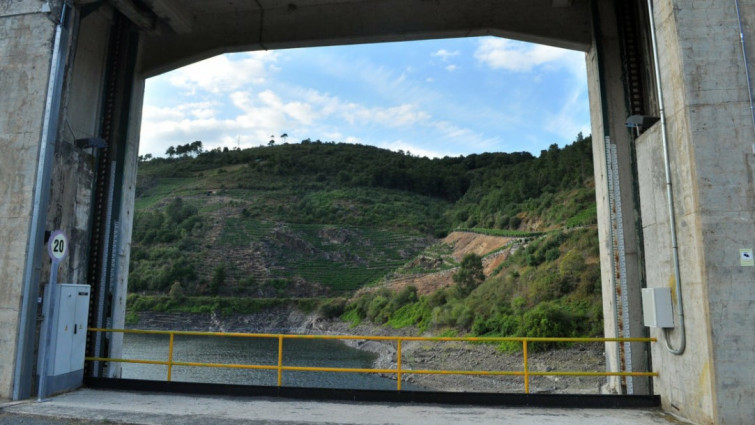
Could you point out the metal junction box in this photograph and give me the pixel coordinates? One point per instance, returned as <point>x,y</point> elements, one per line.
<point>65,367</point>
<point>656,308</point>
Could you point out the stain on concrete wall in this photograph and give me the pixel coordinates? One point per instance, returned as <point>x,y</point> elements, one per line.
<point>70,205</point>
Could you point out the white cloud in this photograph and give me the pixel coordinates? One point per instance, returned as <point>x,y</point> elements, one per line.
<point>414,149</point>
<point>445,54</point>
<point>224,73</point>
<point>154,113</point>
<point>261,114</point>
<point>517,56</point>
<point>567,121</point>
<point>396,116</point>
<point>320,106</point>
<point>451,68</point>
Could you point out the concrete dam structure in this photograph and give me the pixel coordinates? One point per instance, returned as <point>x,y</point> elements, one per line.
<point>673,125</point>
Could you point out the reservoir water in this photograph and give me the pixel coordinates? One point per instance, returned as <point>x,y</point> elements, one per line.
<point>253,351</point>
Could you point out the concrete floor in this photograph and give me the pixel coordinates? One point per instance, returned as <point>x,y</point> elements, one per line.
<point>94,407</point>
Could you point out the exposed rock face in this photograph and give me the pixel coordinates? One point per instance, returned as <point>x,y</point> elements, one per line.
<point>276,320</point>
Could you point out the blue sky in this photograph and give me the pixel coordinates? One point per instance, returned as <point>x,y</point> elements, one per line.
<point>431,98</point>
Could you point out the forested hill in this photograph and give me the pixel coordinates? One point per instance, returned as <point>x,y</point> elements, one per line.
<point>314,217</point>
<point>481,189</point>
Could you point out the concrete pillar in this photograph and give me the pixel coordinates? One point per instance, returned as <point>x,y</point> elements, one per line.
<point>26,44</point>
<point>615,187</point>
<point>711,136</point>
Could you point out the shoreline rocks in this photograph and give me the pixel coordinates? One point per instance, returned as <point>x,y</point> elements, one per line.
<point>418,355</point>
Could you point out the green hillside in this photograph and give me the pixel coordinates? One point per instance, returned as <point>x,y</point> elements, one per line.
<point>323,219</point>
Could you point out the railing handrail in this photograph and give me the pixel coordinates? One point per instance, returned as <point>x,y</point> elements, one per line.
<point>398,371</point>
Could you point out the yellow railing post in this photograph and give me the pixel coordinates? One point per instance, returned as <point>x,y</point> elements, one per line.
<point>170,356</point>
<point>526,368</point>
<point>280,360</point>
<point>398,365</point>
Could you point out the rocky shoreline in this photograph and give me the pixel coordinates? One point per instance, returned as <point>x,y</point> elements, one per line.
<point>418,355</point>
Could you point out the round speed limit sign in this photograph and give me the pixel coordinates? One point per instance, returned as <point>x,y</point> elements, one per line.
<point>57,247</point>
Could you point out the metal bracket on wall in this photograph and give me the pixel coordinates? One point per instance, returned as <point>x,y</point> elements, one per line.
<point>91,142</point>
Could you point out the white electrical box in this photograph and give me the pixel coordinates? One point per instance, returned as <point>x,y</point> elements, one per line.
<point>656,308</point>
<point>65,367</point>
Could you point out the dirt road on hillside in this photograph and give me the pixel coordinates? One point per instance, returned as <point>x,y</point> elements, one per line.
<point>462,243</point>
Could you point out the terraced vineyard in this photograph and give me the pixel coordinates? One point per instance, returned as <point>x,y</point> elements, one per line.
<point>271,237</point>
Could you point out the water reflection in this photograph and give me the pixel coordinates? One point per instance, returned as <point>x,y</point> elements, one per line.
<point>253,351</point>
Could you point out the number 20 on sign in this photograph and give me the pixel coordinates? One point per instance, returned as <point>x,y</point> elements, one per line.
<point>57,247</point>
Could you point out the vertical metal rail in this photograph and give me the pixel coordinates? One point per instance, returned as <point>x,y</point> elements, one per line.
<point>747,65</point>
<point>622,289</point>
<point>398,365</point>
<point>526,368</point>
<point>107,196</point>
<point>103,287</point>
<point>633,62</point>
<point>170,355</point>
<point>280,360</point>
<point>102,198</point>
<point>24,358</point>
<point>46,333</point>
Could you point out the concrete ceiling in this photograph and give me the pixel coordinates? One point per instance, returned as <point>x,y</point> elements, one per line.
<point>179,32</point>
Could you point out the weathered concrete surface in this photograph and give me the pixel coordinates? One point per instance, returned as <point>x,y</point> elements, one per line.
<point>710,136</point>
<point>161,409</point>
<point>24,72</point>
<point>70,205</point>
<point>218,27</point>
<point>74,168</point>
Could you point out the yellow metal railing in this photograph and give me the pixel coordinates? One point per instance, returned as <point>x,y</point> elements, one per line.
<point>399,371</point>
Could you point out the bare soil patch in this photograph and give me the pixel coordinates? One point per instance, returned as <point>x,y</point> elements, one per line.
<point>474,243</point>
<point>463,243</point>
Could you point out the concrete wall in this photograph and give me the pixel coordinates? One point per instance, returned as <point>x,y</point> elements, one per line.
<point>25,53</point>
<point>26,44</point>
<point>710,135</point>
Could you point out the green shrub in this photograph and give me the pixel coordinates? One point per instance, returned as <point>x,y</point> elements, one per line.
<point>352,316</point>
<point>548,320</point>
<point>470,274</point>
<point>375,310</point>
<point>131,318</point>
<point>418,313</point>
<point>332,308</point>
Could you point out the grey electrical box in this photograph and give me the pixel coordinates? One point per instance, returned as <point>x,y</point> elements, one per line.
<point>65,367</point>
<point>656,308</point>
